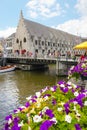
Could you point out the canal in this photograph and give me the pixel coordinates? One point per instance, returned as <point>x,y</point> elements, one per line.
<point>15,86</point>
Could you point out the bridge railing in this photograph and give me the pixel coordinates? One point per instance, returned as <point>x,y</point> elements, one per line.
<point>46,57</point>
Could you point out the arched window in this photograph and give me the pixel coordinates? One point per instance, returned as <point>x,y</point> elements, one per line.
<point>17,41</point>
<point>24,39</point>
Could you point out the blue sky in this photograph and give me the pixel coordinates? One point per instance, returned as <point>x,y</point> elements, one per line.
<point>66,15</point>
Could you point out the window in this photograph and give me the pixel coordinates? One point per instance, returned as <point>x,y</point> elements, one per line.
<point>20,44</point>
<point>35,42</point>
<point>48,43</point>
<point>36,50</point>
<point>43,51</point>
<point>24,39</point>
<point>42,43</point>
<point>17,41</point>
<point>53,44</point>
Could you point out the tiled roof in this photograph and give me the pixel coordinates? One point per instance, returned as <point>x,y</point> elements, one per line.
<point>43,31</point>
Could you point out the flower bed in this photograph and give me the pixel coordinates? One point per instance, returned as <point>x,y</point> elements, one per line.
<point>60,107</point>
<point>80,70</point>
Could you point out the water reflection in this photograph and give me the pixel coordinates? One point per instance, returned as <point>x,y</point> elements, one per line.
<point>17,85</point>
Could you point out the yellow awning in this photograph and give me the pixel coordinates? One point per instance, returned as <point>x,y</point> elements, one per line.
<point>82,45</point>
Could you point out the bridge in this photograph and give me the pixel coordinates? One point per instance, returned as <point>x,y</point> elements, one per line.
<point>28,63</point>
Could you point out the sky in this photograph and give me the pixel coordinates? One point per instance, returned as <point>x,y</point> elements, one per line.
<point>66,15</point>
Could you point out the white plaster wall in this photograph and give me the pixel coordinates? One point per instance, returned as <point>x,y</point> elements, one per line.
<point>22,32</point>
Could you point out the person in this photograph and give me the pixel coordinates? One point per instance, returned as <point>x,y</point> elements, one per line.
<point>1,58</point>
<point>82,57</point>
<point>4,59</point>
<point>85,54</point>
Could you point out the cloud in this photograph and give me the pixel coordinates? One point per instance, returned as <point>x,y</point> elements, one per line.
<point>81,7</point>
<point>7,32</point>
<point>77,26</point>
<point>45,8</point>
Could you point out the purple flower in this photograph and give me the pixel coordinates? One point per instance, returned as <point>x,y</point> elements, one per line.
<point>65,90</point>
<point>49,113</point>
<point>27,104</point>
<point>54,102</point>
<point>54,87</point>
<point>46,125</point>
<point>15,124</point>
<point>33,100</point>
<point>79,99</point>
<point>16,127</point>
<point>34,96</point>
<point>77,126</point>
<point>48,95</point>
<point>8,117</point>
<point>66,106</point>
<point>6,126</point>
<point>61,82</point>
<point>16,120</point>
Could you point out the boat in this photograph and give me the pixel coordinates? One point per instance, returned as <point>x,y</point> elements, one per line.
<point>7,68</point>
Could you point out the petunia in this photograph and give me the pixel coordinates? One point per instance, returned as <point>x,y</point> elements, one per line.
<point>46,125</point>
<point>54,102</point>
<point>16,127</point>
<point>49,113</point>
<point>37,118</point>
<point>66,106</point>
<point>68,118</point>
<point>77,126</point>
<point>27,104</point>
<point>8,117</point>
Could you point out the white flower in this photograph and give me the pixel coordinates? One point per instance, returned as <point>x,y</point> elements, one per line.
<point>78,114</point>
<point>46,98</point>
<point>54,120</point>
<point>45,89</point>
<point>68,118</point>
<point>75,102</point>
<point>85,103</point>
<point>9,121</point>
<point>52,89</point>
<point>74,108</point>
<point>62,85</point>
<point>62,103</point>
<point>37,118</point>
<point>60,109</point>
<point>83,65</point>
<point>74,85</point>
<point>69,87</point>
<point>72,68</point>
<point>69,83</point>
<point>76,94</point>
<point>21,123</point>
<point>22,107</point>
<point>38,94</point>
<point>28,98</point>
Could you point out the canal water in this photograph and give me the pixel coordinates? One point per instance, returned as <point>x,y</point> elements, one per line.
<point>15,86</point>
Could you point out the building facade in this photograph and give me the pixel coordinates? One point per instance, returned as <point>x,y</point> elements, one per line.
<point>9,44</point>
<point>38,41</point>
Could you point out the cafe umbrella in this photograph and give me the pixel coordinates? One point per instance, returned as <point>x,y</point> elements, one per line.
<point>81,46</point>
